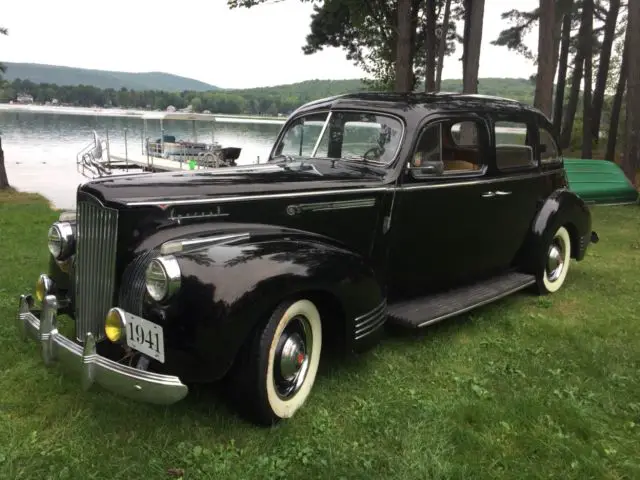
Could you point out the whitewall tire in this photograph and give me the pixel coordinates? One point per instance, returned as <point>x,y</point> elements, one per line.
<point>280,369</point>
<point>293,357</point>
<point>556,262</point>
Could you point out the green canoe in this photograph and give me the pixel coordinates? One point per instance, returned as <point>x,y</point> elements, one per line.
<point>599,181</point>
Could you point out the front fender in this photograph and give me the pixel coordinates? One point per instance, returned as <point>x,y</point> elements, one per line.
<point>227,290</point>
<point>562,208</point>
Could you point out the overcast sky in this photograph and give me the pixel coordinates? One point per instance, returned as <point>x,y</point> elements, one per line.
<point>203,39</point>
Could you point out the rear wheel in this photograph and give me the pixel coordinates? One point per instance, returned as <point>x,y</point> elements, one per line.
<point>279,372</point>
<point>555,264</point>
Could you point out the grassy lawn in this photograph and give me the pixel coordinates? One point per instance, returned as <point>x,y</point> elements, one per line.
<point>525,388</point>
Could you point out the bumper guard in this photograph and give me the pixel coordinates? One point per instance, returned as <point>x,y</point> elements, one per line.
<point>91,367</point>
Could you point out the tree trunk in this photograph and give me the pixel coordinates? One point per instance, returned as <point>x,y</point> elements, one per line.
<point>631,159</point>
<point>442,45</point>
<point>603,68</point>
<point>404,76</point>
<point>472,56</point>
<point>413,41</point>
<point>4,180</point>
<point>616,106</point>
<point>543,98</point>
<point>465,36</point>
<point>561,6</point>
<point>576,78</point>
<point>572,103</point>
<point>562,72</point>
<point>587,47</point>
<point>430,47</point>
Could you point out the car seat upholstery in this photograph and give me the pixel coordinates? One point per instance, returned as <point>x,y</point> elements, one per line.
<point>513,156</point>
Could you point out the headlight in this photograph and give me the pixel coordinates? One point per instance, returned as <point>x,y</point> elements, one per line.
<point>115,325</point>
<point>163,278</point>
<point>61,240</point>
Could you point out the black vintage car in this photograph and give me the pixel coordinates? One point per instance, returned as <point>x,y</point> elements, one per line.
<point>372,208</point>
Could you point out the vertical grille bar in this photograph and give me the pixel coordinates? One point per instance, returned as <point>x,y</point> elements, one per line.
<point>95,266</point>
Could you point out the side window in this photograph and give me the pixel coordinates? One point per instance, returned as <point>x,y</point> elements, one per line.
<point>513,146</point>
<point>549,152</point>
<point>455,145</point>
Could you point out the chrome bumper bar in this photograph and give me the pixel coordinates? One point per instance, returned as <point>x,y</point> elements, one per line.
<point>92,368</point>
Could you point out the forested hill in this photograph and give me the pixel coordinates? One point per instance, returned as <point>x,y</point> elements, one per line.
<point>280,99</point>
<point>38,73</point>
<point>516,88</point>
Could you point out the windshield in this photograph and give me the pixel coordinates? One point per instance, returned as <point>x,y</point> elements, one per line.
<point>352,136</point>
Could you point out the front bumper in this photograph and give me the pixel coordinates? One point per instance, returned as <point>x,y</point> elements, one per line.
<point>91,367</point>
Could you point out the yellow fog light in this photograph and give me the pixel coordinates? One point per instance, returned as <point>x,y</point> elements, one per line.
<point>44,287</point>
<point>115,325</point>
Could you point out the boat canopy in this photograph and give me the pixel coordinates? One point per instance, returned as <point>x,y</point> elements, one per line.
<point>179,116</point>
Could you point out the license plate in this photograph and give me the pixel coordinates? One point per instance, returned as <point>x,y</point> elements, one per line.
<point>146,337</point>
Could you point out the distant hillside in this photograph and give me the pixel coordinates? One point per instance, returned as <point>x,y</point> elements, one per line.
<point>516,88</point>
<point>38,73</point>
<point>158,91</point>
<point>309,88</point>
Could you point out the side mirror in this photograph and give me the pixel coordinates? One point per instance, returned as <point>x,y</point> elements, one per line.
<point>427,169</point>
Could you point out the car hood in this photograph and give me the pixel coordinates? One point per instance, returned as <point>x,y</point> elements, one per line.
<point>226,181</point>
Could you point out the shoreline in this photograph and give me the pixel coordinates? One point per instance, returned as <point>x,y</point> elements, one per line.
<point>128,113</point>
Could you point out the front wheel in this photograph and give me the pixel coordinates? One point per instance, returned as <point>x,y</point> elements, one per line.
<point>555,264</point>
<point>283,361</point>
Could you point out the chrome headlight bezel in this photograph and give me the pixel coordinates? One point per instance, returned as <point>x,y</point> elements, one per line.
<point>115,325</point>
<point>61,240</point>
<point>163,278</point>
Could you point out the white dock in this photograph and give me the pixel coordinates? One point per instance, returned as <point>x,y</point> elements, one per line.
<point>138,160</point>
<point>97,160</point>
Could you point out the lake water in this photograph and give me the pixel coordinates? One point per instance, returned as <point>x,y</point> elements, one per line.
<point>40,148</point>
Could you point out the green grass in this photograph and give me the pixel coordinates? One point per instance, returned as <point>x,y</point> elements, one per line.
<point>525,388</point>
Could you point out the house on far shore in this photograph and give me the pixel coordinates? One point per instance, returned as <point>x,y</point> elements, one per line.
<point>24,98</point>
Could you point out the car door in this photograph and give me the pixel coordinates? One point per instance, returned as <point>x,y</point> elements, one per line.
<point>442,223</point>
<point>519,184</point>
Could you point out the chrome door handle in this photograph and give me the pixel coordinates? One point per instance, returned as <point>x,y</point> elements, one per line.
<point>488,194</point>
<point>502,193</point>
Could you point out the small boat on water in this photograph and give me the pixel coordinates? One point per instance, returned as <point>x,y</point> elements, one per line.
<point>170,148</point>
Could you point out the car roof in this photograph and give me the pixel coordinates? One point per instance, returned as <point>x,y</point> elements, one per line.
<point>410,104</point>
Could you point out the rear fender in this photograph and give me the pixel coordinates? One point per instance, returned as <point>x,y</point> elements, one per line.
<point>561,208</point>
<point>229,289</point>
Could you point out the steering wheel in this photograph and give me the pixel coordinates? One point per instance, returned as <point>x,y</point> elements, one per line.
<point>376,151</point>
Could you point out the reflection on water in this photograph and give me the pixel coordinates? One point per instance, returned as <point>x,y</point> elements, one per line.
<point>40,148</point>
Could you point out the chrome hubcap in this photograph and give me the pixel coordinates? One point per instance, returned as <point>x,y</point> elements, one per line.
<point>555,261</point>
<point>292,357</point>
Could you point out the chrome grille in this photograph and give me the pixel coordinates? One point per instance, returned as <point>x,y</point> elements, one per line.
<point>97,231</point>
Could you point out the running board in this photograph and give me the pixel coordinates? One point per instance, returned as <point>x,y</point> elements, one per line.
<point>421,312</point>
